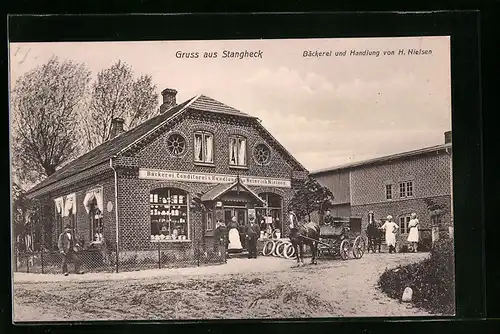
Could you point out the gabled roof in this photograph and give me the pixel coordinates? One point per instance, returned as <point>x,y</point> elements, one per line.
<point>205,103</point>
<point>109,148</point>
<point>124,141</point>
<point>386,158</point>
<point>223,188</point>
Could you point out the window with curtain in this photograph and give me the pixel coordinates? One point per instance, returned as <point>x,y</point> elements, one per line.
<point>69,211</point>
<point>59,208</point>
<point>203,147</point>
<point>94,205</point>
<point>237,151</point>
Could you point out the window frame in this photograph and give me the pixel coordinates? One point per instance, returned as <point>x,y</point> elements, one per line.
<point>237,164</point>
<point>204,134</point>
<point>178,155</point>
<point>409,188</point>
<point>406,220</point>
<point>388,192</point>
<point>169,206</point>
<point>265,163</point>
<point>209,215</point>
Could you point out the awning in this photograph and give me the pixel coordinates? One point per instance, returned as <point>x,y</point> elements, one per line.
<point>222,188</point>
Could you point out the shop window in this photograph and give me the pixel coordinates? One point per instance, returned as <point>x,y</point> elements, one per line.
<point>203,147</point>
<point>176,144</point>
<point>388,191</point>
<point>271,214</point>
<point>169,214</point>
<point>237,151</point>
<point>262,154</point>
<point>403,223</point>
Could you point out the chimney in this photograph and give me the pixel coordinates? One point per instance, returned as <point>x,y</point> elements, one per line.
<point>447,137</point>
<point>169,99</point>
<point>116,127</point>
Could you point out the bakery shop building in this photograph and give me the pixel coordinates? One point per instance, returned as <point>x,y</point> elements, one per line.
<point>170,179</point>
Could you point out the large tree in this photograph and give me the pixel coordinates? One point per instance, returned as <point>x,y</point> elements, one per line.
<point>310,197</point>
<point>117,93</point>
<point>44,108</point>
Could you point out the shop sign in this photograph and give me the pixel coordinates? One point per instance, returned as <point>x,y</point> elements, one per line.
<point>167,175</point>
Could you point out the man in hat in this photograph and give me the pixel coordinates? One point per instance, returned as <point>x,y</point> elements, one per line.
<point>252,235</point>
<point>328,219</point>
<point>68,247</point>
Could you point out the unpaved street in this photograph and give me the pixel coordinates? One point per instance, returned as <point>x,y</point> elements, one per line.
<point>262,288</point>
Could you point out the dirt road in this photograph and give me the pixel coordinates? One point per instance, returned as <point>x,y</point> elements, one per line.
<point>262,288</point>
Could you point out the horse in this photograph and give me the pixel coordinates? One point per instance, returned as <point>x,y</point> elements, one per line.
<point>374,233</point>
<point>303,234</point>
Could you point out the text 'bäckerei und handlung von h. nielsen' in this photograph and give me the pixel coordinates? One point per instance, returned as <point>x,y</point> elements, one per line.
<point>366,52</point>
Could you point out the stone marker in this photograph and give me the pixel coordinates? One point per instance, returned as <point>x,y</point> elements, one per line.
<point>407,295</point>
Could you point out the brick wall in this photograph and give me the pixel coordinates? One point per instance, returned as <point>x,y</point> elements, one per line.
<point>104,181</point>
<point>430,175</point>
<point>404,207</point>
<point>155,154</point>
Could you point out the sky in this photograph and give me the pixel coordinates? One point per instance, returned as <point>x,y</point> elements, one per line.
<point>327,111</point>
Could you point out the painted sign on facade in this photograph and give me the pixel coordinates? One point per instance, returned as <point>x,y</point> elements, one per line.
<point>168,175</point>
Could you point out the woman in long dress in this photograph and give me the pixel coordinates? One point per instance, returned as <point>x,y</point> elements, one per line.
<point>390,228</point>
<point>234,236</point>
<point>413,234</point>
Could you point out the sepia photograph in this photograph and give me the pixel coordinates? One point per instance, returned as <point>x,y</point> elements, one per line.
<point>231,179</point>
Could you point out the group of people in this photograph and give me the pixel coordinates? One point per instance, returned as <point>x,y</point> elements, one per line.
<point>229,236</point>
<point>391,228</point>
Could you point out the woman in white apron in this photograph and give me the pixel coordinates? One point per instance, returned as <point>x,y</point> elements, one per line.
<point>390,228</point>
<point>413,234</point>
<point>234,236</point>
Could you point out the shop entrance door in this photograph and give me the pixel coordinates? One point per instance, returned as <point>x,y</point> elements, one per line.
<point>241,214</point>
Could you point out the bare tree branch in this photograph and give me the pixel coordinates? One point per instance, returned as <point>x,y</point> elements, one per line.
<point>44,117</point>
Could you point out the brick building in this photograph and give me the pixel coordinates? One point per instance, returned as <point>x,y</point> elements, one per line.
<point>417,181</point>
<point>145,184</point>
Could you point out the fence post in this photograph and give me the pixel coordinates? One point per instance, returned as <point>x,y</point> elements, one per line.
<point>159,254</point>
<point>27,264</point>
<point>16,257</point>
<point>41,260</point>
<point>117,260</point>
<point>197,250</point>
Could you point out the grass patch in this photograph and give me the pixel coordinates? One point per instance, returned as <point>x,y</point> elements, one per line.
<point>432,280</point>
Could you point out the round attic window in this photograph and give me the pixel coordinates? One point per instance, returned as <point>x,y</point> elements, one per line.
<point>176,144</point>
<point>262,154</point>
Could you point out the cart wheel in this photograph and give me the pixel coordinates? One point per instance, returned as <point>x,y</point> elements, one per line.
<point>268,248</point>
<point>344,249</point>
<point>358,247</point>
<point>280,249</point>
<point>289,251</point>
<point>275,250</point>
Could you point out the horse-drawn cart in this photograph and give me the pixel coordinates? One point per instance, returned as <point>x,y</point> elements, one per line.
<point>338,240</point>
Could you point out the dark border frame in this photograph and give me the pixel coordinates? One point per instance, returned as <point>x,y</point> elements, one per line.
<point>462,26</point>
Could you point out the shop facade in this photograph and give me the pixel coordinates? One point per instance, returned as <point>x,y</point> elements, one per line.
<point>171,179</point>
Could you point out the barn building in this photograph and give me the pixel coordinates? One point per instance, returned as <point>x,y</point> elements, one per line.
<point>145,184</point>
<point>416,181</point>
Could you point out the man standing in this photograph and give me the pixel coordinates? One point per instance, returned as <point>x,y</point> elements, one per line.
<point>390,228</point>
<point>68,247</point>
<point>252,236</point>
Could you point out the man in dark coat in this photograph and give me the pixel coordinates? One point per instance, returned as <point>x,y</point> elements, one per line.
<point>252,234</point>
<point>68,247</point>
